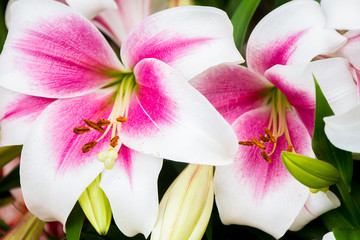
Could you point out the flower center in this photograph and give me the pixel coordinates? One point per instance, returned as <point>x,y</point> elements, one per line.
<point>111,125</point>
<point>276,128</point>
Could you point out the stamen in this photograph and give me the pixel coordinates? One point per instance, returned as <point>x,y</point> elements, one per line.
<point>94,125</point>
<point>114,141</point>
<point>87,147</point>
<point>81,130</point>
<point>121,119</point>
<point>266,157</point>
<point>103,122</point>
<point>258,143</point>
<point>269,135</point>
<point>246,143</point>
<point>290,148</point>
<point>264,139</point>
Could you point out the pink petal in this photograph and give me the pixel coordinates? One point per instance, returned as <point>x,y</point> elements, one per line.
<point>316,205</point>
<point>72,59</point>
<point>182,37</point>
<point>341,14</point>
<point>351,49</point>
<point>254,192</point>
<point>232,89</point>
<point>170,119</point>
<point>131,187</point>
<point>54,171</point>
<point>292,33</point>
<point>18,112</point>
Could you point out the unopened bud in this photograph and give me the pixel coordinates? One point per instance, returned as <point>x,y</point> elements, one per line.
<point>96,207</point>
<point>186,207</point>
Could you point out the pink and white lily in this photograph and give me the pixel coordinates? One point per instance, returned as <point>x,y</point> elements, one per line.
<point>84,113</point>
<point>271,106</point>
<point>343,128</point>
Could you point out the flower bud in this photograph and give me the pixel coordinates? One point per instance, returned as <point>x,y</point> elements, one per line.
<point>186,207</point>
<point>29,227</point>
<point>96,207</point>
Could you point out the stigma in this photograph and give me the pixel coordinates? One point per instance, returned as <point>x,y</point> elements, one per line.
<point>110,125</point>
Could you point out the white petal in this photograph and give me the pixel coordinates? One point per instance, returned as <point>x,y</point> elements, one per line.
<point>343,130</point>
<point>329,236</point>
<point>316,205</point>
<point>90,8</point>
<point>342,14</point>
<point>131,187</point>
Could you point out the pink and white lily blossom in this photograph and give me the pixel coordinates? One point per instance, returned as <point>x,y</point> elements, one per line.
<point>271,106</point>
<point>95,115</point>
<point>343,128</point>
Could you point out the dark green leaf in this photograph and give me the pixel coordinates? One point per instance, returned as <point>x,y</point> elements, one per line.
<point>9,153</point>
<point>311,172</point>
<point>10,181</point>
<point>74,223</point>
<point>4,226</point>
<point>241,20</point>
<point>280,2</point>
<point>3,29</point>
<point>323,148</point>
<point>347,233</point>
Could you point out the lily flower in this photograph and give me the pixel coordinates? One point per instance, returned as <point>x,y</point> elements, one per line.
<point>270,105</point>
<point>343,128</point>
<point>117,119</point>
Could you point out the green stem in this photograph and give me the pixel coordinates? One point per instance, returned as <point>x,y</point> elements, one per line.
<point>349,203</point>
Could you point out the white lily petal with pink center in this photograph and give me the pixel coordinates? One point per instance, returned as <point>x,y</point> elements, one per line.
<point>232,89</point>
<point>54,171</point>
<point>17,114</point>
<point>90,9</point>
<point>131,187</point>
<point>296,82</point>
<point>343,15</point>
<point>316,205</point>
<point>72,59</point>
<point>343,130</point>
<point>168,118</point>
<point>257,193</point>
<point>129,13</point>
<point>190,39</point>
<point>351,49</point>
<point>291,34</point>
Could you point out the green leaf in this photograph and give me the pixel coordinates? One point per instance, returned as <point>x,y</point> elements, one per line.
<point>347,233</point>
<point>10,181</point>
<point>3,29</point>
<point>323,148</point>
<point>311,172</point>
<point>241,20</point>
<point>74,223</point>
<point>9,153</point>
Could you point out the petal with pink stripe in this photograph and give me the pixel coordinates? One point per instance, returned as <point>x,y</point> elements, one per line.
<point>232,89</point>
<point>54,171</point>
<point>131,187</point>
<point>292,33</point>
<point>72,59</point>
<point>168,118</point>
<point>256,193</point>
<point>189,38</point>
<point>18,112</point>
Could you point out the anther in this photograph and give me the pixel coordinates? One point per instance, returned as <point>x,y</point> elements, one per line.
<point>266,157</point>
<point>290,148</point>
<point>103,122</point>
<point>80,130</point>
<point>264,138</point>
<point>121,119</point>
<point>269,135</point>
<point>258,143</point>
<point>114,141</point>
<point>87,147</point>
<point>94,125</point>
<point>246,143</point>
